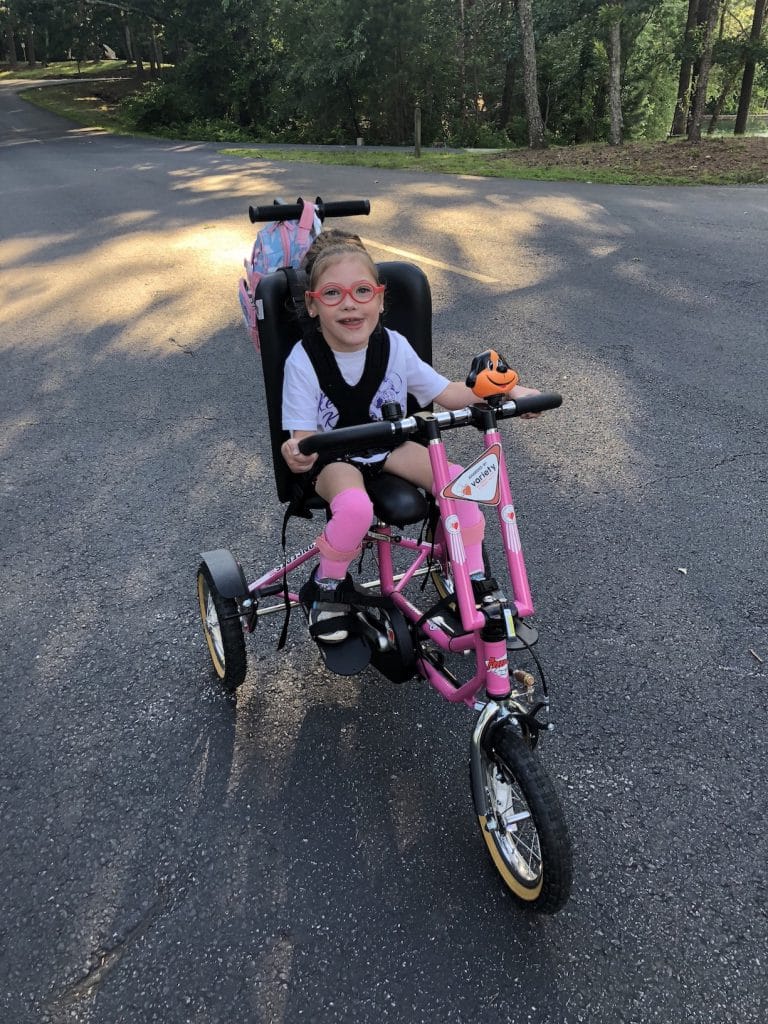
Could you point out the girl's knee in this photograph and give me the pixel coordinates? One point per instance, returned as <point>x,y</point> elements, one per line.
<point>352,504</point>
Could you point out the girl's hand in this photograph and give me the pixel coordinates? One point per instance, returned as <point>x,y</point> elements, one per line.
<point>296,462</point>
<point>520,392</point>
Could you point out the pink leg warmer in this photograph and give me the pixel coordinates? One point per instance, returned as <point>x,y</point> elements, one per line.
<point>351,515</point>
<point>472,523</point>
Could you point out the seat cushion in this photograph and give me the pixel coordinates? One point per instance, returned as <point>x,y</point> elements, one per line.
<point>395,501</point>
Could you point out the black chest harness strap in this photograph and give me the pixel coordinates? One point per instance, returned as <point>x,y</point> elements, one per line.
<point>353,401</point>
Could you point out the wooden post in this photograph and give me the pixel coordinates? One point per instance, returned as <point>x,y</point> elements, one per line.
<point>417,130</point>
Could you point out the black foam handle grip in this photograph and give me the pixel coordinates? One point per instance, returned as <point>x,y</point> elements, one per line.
<point>537,403</point>
<point>292,211</point>
<point>352,439</point>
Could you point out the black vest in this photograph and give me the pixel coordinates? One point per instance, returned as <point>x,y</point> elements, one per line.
<point>352,401</point>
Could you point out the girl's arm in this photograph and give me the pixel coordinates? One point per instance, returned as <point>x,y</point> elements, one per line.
<point>457,395</point>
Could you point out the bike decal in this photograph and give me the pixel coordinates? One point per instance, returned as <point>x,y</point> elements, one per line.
<point>498,667</point>
<point>511,534</point>
<point>288,561</point>
<point>453,532</point>
<point>479,482</point>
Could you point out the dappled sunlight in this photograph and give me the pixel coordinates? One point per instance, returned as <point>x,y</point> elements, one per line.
<point>15,251</point>
<point>152,292</point>
<point>509,255</point>
<point>228,181</point>
<point>128,219</point>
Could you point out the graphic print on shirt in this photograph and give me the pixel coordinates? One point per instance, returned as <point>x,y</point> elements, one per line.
<point>391,389</point>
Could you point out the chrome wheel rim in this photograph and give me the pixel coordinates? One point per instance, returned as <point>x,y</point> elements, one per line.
<point>511,822</point>
<point>213,626</point>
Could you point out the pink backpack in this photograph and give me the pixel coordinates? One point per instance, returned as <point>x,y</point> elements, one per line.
<point>279,244</point>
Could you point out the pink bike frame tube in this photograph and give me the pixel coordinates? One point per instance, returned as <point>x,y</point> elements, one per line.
<point>505,511</point>
<point>471,618</point>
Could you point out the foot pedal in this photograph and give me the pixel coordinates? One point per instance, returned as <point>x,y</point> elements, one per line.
<point>346,658</point>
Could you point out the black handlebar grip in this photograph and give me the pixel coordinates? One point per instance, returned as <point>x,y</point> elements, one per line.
<point>292,211</point>
<point>537,403</point>
<point>344,208</point>
<point>284,211</point>
<point>351,439</point>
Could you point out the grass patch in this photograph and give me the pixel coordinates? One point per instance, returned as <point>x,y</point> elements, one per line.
<point>572,163</point>
<point>90,104</point>
<point>69,69</point>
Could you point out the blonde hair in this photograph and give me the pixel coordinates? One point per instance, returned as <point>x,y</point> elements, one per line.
<point>331,246</point>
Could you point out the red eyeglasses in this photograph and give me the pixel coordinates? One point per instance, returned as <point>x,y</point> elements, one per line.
<point>334,294</point>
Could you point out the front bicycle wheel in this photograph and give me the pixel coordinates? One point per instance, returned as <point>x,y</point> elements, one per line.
<point>521,820</point>
<point>223,631</point>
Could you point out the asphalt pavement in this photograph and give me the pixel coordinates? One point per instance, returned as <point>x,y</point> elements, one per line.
<point>310,853</point>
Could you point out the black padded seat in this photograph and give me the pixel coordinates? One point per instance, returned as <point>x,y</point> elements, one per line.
<point>395,501</point>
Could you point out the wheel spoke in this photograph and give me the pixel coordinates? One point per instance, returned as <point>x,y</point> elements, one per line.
<point>514,829</point>
<point>214,627</point>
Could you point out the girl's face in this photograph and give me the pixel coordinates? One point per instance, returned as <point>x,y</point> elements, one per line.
<point>347,326</point>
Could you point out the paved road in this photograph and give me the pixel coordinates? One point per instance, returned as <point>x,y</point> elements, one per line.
<point>310,855</point>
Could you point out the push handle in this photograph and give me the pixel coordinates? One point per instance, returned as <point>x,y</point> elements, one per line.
<point>292,211</point>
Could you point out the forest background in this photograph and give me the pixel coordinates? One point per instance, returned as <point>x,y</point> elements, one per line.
<point>480,73</point>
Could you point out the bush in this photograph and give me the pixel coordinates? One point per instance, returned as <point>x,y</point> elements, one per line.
<point>474,135</point>
<point>156,106</point>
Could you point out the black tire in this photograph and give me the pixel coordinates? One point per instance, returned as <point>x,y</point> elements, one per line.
<point>223,631</point>
<point>533,853</point>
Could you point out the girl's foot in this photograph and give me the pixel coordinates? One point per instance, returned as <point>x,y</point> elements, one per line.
<point>325,608</point>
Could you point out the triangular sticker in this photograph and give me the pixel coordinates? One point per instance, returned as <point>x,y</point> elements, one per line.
<point>478,482</point>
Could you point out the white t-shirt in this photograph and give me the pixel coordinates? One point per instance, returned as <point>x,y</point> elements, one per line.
<point>307,407</point>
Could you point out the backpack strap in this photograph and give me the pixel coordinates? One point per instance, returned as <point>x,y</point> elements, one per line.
<point>306,220</point>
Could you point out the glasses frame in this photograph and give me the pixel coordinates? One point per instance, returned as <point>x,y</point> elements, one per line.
<point>377,289</point>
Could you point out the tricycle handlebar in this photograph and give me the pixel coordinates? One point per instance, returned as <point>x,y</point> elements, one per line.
<point>379,435</point>
<point>384,434</point>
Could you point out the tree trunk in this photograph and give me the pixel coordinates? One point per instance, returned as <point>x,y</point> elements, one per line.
<point>614,78</point>
<point>156,49</point>
<point>536,138</point>
<point>128,42</point>
<point>727,86</point>
<point>31,59</point>
<point>462,58</point>
<point>10,47</point>
<point>686,70</point>
<point>508,92</point>
<point>705,63</point>
<point>747,81</point>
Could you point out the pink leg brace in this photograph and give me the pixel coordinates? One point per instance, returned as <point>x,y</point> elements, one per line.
<point>472,523</point>
<point>351,515</point>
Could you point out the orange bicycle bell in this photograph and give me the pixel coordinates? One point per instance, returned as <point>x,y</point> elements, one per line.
<point>491,375</point>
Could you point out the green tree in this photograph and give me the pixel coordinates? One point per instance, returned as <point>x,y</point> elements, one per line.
<point>536,137</point>
<point>711,14</point>
<point>755,51</point>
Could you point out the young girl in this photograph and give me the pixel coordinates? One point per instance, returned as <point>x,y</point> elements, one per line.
<point>345,300</point>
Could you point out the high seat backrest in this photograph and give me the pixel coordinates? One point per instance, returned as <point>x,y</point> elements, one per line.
<point>407,309</point>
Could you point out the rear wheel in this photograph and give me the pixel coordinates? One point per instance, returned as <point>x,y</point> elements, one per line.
<point>223,631</point>
<point>521,820</point>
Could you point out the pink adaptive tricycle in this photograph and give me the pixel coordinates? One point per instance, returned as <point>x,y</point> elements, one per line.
<point>397,631</point>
